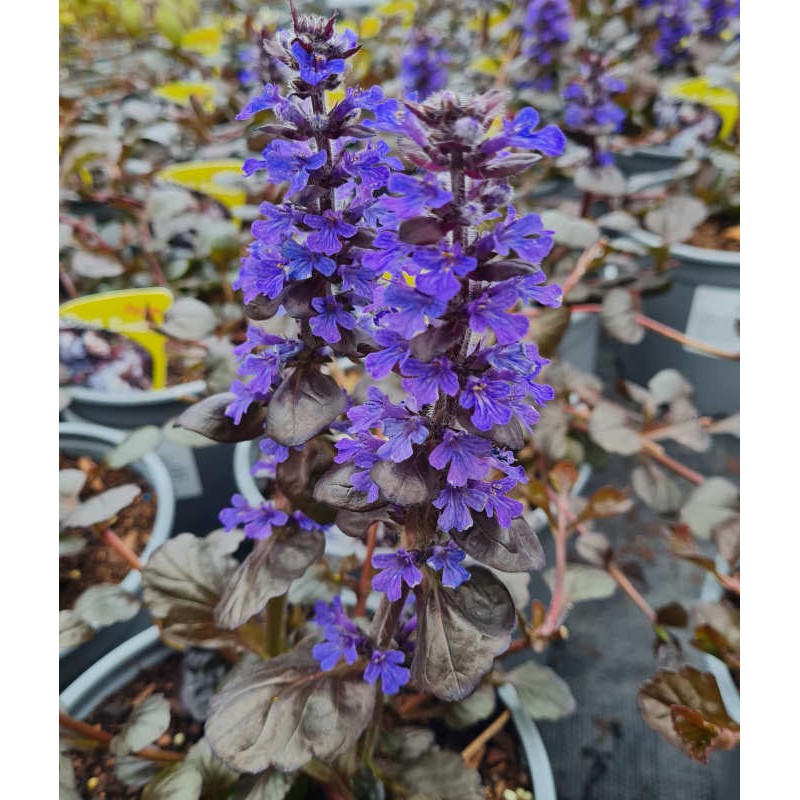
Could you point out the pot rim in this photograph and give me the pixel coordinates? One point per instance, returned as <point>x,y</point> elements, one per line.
<point>153,469</point>
<point>146,649</point>
<point>135,397</point>
<point>700,255</point>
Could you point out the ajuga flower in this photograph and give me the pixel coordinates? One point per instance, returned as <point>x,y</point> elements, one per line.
<point>423,66</point>
<point>544,30</point>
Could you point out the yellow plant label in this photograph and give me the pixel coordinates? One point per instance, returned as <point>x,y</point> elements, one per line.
<point>208,177</point>
<point>132,313</point>
<point>179,92</point>
<point>724,101</point>
<point>206,41</point>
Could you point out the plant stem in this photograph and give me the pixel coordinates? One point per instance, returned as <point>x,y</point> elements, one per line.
<point>474,747</point>
<point>582,264</point>
<point>366,571</point>
<point>656,452</point>
<point>624,583</point>
<point>118,546</point>
<point>275,614</point>
<point>104,737</point>
<point>557,600</point>
<point>663,330</point>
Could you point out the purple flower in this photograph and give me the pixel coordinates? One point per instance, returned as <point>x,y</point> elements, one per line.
<point>447,559</point>
<point>396,568</point>
<point>277,225</point>
<point>362,450</point>
<point>401,435</point>
<point>257,521</point>
<point>331,317</point>
<point>455,503</point>
<point>394,350</point>
<point>286,161</point>
<point>498,505</point>
<point>412,309</point>
<point>338,644</point>
<point>305,523</point>
<point>529,289</point>
<point>545,31</point>
<point>487,312</point>
<point>385,664</point>
<point>302,262</point>
<point>425,379</point>
<point>440,266</point>
<point>374,412</point>
<point>489,401</point>
<point>467,455</point>
<point>315,68</point>
<point>525,235</point>
<point>423,66</point>
<point>674,26</point>
<point>329,227</point>
<point>332,614</point>
<point>415,195</point>
<point>268,99</point>
<point>237,408</point>
<point>262,273</point>
<point>520,132</point>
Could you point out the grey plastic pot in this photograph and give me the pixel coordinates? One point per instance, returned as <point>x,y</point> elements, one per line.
<point>579,345</point>
<point>649,159</point>
<point>202,476</point>
<point>80,438</point>
<point>145,649</point>
<point>128,410</point>
<point>702,301</point>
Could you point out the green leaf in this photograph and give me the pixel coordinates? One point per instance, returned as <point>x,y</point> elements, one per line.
<point>302,406</point>
<point>147,722</point>
<point>217,778</point>
<point>286,712</point>
<point>713,502</point>
<point>267,572</point>
<point>459,633</point>
<point>686,708</point>
<point>182,584</point>
<point>618,316</point>
<point>102,507</point>
<point>135,772</point>
<point>473,708</point>
<point>70,545</point>
<point>582,582</point>
<point>135,445</point>
<point>542,693</point>
<point>105,604</point>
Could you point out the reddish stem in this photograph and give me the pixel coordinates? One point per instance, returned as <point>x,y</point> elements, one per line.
<point>622,579</point>
<point>115,543</point>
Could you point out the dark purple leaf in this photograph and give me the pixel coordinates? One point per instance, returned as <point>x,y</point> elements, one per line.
<point>298,475</point>
<point>459,633</point>
<point>408,483</point>
<point>503,269</point>
<point>267,572</point>
<point>512,549</point>
<point>433,342</point>
<point>335,489</point>
<point>207,417</point>
<point>421,230</point>
<point>303,406</point>
<point>286,712</point>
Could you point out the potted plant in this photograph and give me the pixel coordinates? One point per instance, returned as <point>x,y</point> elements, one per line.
<point>117,506</point>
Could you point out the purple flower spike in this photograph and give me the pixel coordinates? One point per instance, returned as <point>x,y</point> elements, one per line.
<point>424,380</point>
<point>315,68</point>
<point>498,505</point>
<point>329,227</point>
<point>489,401</point>
<point>447,559</point>
<point>385,664</point>
<point>396,568</point>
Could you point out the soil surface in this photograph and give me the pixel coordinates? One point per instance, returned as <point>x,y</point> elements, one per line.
<point>715,234</point>
<point>97,563</point>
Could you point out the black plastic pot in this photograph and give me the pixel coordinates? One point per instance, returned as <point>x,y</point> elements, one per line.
<point>76,439</point>
<point>702,301</point>
<point>145,649</point>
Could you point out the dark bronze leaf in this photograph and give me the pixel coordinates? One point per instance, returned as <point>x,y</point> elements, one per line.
<point>303,406</point>
<point>298,475</point>
<point>267,572</point>
<point>421,230</point>
<point>512,549</point>
<point>459,633</point>
<point>547,329</point>
<point>433,342</point>
<point>287,712</point>
<point>207,417</point>
<point>408,483</point>
<point>335,489</point>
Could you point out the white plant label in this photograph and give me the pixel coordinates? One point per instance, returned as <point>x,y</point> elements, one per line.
<point>714,319</point>
<point>181,464</point>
